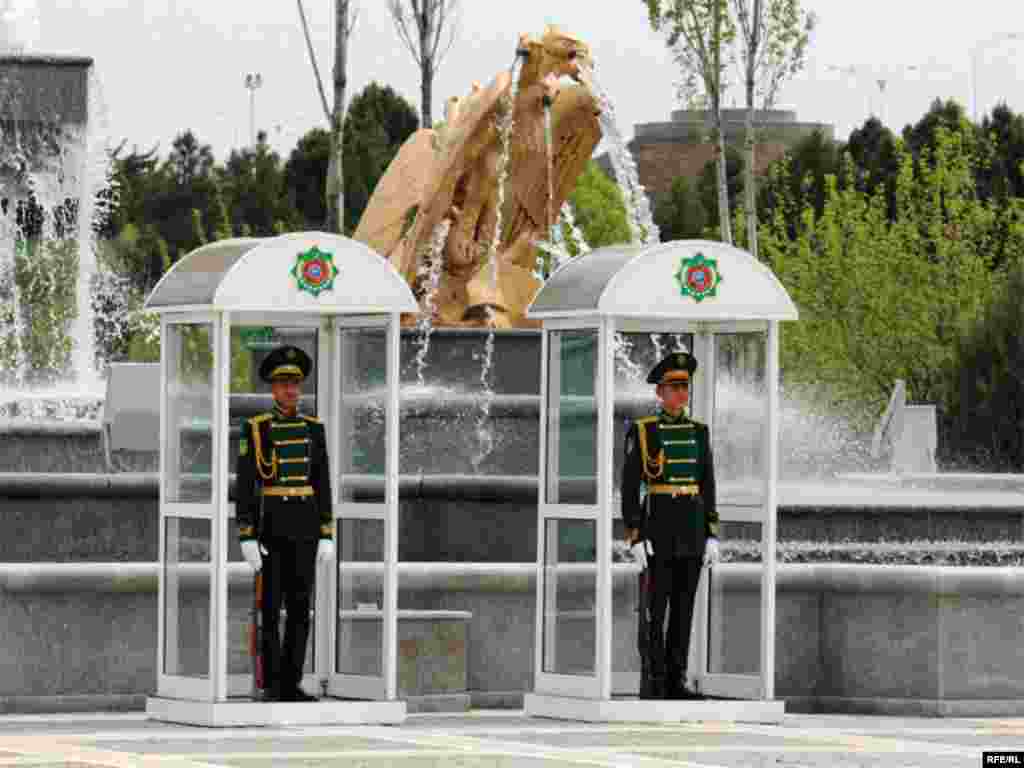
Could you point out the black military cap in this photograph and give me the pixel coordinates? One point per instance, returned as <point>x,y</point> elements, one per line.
<point>678,366</point>
<point>286,363</point>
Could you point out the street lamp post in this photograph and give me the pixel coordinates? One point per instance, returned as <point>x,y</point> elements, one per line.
<point>858,73</point>
<point>253,80</point>
<point>973,53</point>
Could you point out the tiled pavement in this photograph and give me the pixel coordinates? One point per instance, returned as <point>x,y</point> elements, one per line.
<point>503,739</point>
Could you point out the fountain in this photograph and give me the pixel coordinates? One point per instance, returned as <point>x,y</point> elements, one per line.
<point>470,408</point>
<point>54,177</point>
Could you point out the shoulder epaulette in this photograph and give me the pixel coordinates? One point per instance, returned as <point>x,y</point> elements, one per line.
<point>653,467</point>
<point>312,419</point>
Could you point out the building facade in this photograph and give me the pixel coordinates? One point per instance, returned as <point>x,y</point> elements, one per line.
<point>683,145</point>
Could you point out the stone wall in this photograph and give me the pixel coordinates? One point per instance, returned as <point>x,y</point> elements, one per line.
<point>849,638</point>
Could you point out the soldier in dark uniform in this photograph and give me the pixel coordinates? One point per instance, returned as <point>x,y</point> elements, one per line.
<point>285,519</point>
<point>674,526</point>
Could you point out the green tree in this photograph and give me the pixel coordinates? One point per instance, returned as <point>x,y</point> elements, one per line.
<point>131,185</point>
<point>773,39</point>
<point>700,34</point>
<point>378,122</point>
<point>1002,140</point>
<point>983,406</point>
<point>253,181</point>
<point>680,213</point>
<point>799,178</point>
<point>948,116</point>
<point>708,187</point>
<point>872,148</point>
<point>600,208</point>
<point>884,297</point>
<point>218,220</point>
<point>305,176</point>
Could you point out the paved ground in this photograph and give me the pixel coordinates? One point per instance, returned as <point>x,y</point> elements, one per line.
<point>503,739</point>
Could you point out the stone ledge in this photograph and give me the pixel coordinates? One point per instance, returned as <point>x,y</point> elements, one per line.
<point>962,581</point>
<point>439,702</point>
<point>497,699</point>
<point>87,702</point>
<point>904,707</point>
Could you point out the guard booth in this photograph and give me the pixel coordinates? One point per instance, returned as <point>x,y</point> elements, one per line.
<point>608,317</point>
<point>222,308</point>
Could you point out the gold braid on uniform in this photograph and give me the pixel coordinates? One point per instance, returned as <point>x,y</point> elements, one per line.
<point>257,448</point>
<point>653,469</point>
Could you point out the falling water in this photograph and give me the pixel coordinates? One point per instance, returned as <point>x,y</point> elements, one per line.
<point>641,221</point>
<point>430,275</point>
<point>97,172</point>
<point>505,123</point>
<point>625,365</point>
<point>576,235</point>
<point>659,351</point>
<point>66,171</point>
<point>549,150</point>
<point>484,428</point>
<point>557,247</point>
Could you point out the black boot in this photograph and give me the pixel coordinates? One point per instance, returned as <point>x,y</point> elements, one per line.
<point>297,694</point>
<point>655,688</point>
<point>676,688</point>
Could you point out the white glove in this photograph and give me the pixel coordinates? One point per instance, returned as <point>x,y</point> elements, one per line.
<point>251,550</point>
<point>641,551</point>
<point>325,551</point>
<point>711,553</point>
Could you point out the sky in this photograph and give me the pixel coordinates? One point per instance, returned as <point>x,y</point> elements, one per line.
<point>163,66</point>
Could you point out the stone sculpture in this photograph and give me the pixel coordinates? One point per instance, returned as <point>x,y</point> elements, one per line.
<point>443,187</point>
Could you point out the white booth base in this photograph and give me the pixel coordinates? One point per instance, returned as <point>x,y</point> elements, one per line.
<point>242,713</point>
<point>652,710</point>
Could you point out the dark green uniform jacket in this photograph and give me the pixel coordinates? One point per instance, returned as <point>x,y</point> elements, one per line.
<point>284,480</point>
<point>678,480</point>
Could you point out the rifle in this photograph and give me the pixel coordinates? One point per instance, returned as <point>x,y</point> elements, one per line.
<point>256,636</point>
<point>643,631</point>
<point>643,623</point>
<point>256,619</point>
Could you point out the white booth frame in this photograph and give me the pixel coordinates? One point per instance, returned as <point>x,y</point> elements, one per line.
<point>592,698</point>
<point>208,700</point>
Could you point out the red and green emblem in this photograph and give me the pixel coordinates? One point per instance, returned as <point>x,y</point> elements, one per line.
<point>698,277</point>
<point>314,271</point>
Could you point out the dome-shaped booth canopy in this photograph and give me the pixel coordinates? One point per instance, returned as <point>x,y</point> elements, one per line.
<point>690,280</point>
<point>306,272</point>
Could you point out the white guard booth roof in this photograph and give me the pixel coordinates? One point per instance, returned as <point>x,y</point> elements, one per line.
<point>254,274</point>
<point>645,282</point>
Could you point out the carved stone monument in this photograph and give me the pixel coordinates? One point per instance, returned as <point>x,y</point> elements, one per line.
<point>477,188</point>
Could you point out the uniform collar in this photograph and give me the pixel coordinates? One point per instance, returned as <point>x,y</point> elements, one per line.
<point>278,413</point>
<point>665,417</point>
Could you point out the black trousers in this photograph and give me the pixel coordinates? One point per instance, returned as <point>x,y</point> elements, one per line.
<point>674,587</point>
<point>288,572</point>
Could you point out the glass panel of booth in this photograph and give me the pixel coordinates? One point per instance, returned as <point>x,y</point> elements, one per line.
<point>362,355</point>
<point>362,449</point>
<point>572,417</point>
<point>734,590</point>
<point>188,408</point>
<point>360,597</point>
<point>569,641</point>
<point>186,597</point>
